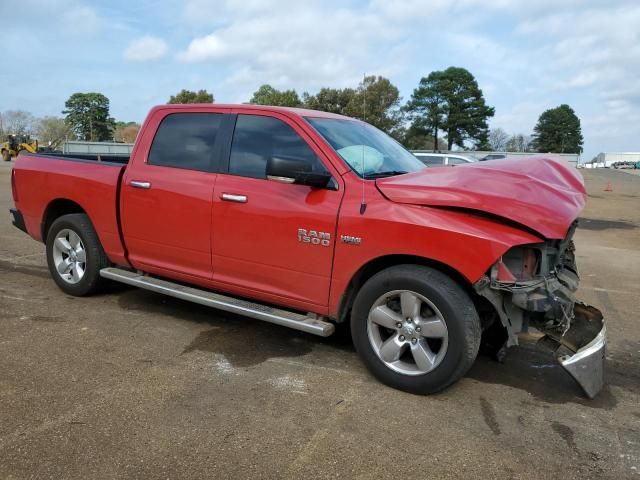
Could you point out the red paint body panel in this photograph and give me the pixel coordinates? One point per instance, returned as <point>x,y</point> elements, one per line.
<point>260,250</point>
<point>92,186</point>
<point>181,229</point>
<point>258,247</point>
<point>467,243</point>
<point>544,194</point>
<point>169,225</point>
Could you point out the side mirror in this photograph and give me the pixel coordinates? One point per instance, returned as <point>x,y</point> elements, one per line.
<point>296,170</point>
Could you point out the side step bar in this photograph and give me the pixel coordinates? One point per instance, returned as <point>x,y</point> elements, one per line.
<point>306,323</point>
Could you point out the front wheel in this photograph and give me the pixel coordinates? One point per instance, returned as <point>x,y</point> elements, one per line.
<point>415,328</point>
<point>6,156</point>
<point>75,255</point>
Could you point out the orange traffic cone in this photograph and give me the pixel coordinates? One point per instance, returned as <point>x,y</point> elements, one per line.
<point>609,188</point>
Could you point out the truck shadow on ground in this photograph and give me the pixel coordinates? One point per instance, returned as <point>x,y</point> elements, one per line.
<point>535,371</point>
<point>245,342</point>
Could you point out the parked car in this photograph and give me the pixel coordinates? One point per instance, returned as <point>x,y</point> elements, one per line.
<point>307,220</point>
<point>624,165</point>
<point>493,156</point>
<point>441,159</point>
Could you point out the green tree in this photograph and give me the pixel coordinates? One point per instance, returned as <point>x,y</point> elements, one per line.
<point>267,95</point>
<point>87,114</point>
<point>416,138</point>
<point>188,96</point>
<point>452,101</point>
<point>377,101</point>
<point>53,132</point>
<point>558,130</point>
<point>332,100</point>
<point>426,107</point>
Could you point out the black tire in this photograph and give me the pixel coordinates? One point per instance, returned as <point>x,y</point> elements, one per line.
<point>458,313</point>
<point>91,281</point>
<point>6,156</point>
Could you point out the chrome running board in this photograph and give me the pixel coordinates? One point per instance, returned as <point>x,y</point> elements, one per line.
<point>306,323</point>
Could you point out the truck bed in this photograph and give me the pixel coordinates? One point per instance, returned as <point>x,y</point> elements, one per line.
<point>117,159</point>
<point>88,184</point>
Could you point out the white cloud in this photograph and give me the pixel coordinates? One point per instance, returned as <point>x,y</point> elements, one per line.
<point>526,55</point>
<point>80,19</point>
<point>145,49</point>
<point>309,47</point>
<point>593,52</point>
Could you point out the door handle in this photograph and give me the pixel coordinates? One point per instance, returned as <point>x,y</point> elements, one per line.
<point>230,197</point>
<point>139,184</point>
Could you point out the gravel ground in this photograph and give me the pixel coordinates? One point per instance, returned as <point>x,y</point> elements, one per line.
<point>131,384</point>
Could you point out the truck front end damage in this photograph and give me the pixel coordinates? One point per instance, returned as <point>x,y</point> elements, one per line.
<point>534,285</point>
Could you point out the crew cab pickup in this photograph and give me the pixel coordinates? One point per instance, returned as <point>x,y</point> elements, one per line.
<point>309,219</point>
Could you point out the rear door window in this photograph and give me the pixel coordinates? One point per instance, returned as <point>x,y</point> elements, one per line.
<point>186,140</point>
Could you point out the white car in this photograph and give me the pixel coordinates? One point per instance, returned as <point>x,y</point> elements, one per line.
<point>442,159</point>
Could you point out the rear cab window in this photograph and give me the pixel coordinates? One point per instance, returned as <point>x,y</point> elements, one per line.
<point>186,140</point>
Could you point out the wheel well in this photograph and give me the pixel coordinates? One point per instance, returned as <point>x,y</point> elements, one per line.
<point>55,210</point>
<point>374,266</point>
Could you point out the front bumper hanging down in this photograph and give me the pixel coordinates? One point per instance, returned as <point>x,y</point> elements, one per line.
<point>581,349</point>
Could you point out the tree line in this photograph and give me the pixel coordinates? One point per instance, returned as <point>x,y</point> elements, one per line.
<point>447,109</point>
<point>86,119</point>
<point>558,130</point>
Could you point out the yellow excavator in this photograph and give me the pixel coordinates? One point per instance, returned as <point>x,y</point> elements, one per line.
<point>16,144</point>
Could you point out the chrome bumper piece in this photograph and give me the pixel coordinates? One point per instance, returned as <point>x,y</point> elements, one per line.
<point>587,339</point>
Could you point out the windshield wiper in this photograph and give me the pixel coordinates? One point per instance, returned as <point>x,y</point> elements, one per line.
<point>386,173</point>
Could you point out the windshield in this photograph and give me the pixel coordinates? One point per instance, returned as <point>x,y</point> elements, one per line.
<point>368,151</point>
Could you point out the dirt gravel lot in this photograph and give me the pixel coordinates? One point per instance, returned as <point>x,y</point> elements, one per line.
<point>131,384</point>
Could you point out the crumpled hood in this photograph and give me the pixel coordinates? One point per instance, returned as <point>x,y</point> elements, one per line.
<point>545,194</point>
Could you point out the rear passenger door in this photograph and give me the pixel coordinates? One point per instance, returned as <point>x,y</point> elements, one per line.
<point>166,195</point>
<point>258,246</point>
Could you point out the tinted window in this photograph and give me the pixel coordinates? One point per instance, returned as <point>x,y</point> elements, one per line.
<point>456,161</point>
<point>431,160</point>
<point>186,140</point>
<point>257,138</point>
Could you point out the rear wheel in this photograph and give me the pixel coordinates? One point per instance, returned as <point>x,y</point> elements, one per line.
<point>415,328</point>
<point>75,255</point>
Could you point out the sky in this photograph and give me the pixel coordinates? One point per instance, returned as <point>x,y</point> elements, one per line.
<point>527,56</point>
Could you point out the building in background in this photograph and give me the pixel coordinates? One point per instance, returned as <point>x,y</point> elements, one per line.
<point>607,159</point>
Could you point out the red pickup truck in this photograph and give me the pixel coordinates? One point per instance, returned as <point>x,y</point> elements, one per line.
<point>308,219</point>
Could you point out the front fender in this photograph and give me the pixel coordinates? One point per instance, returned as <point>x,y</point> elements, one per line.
<point>467,243</point>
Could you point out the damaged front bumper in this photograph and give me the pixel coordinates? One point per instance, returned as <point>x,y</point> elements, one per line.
<point>535,285</point>
<point>581,349</point>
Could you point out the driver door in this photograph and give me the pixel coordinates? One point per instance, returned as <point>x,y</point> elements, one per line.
<point>273,239</point>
